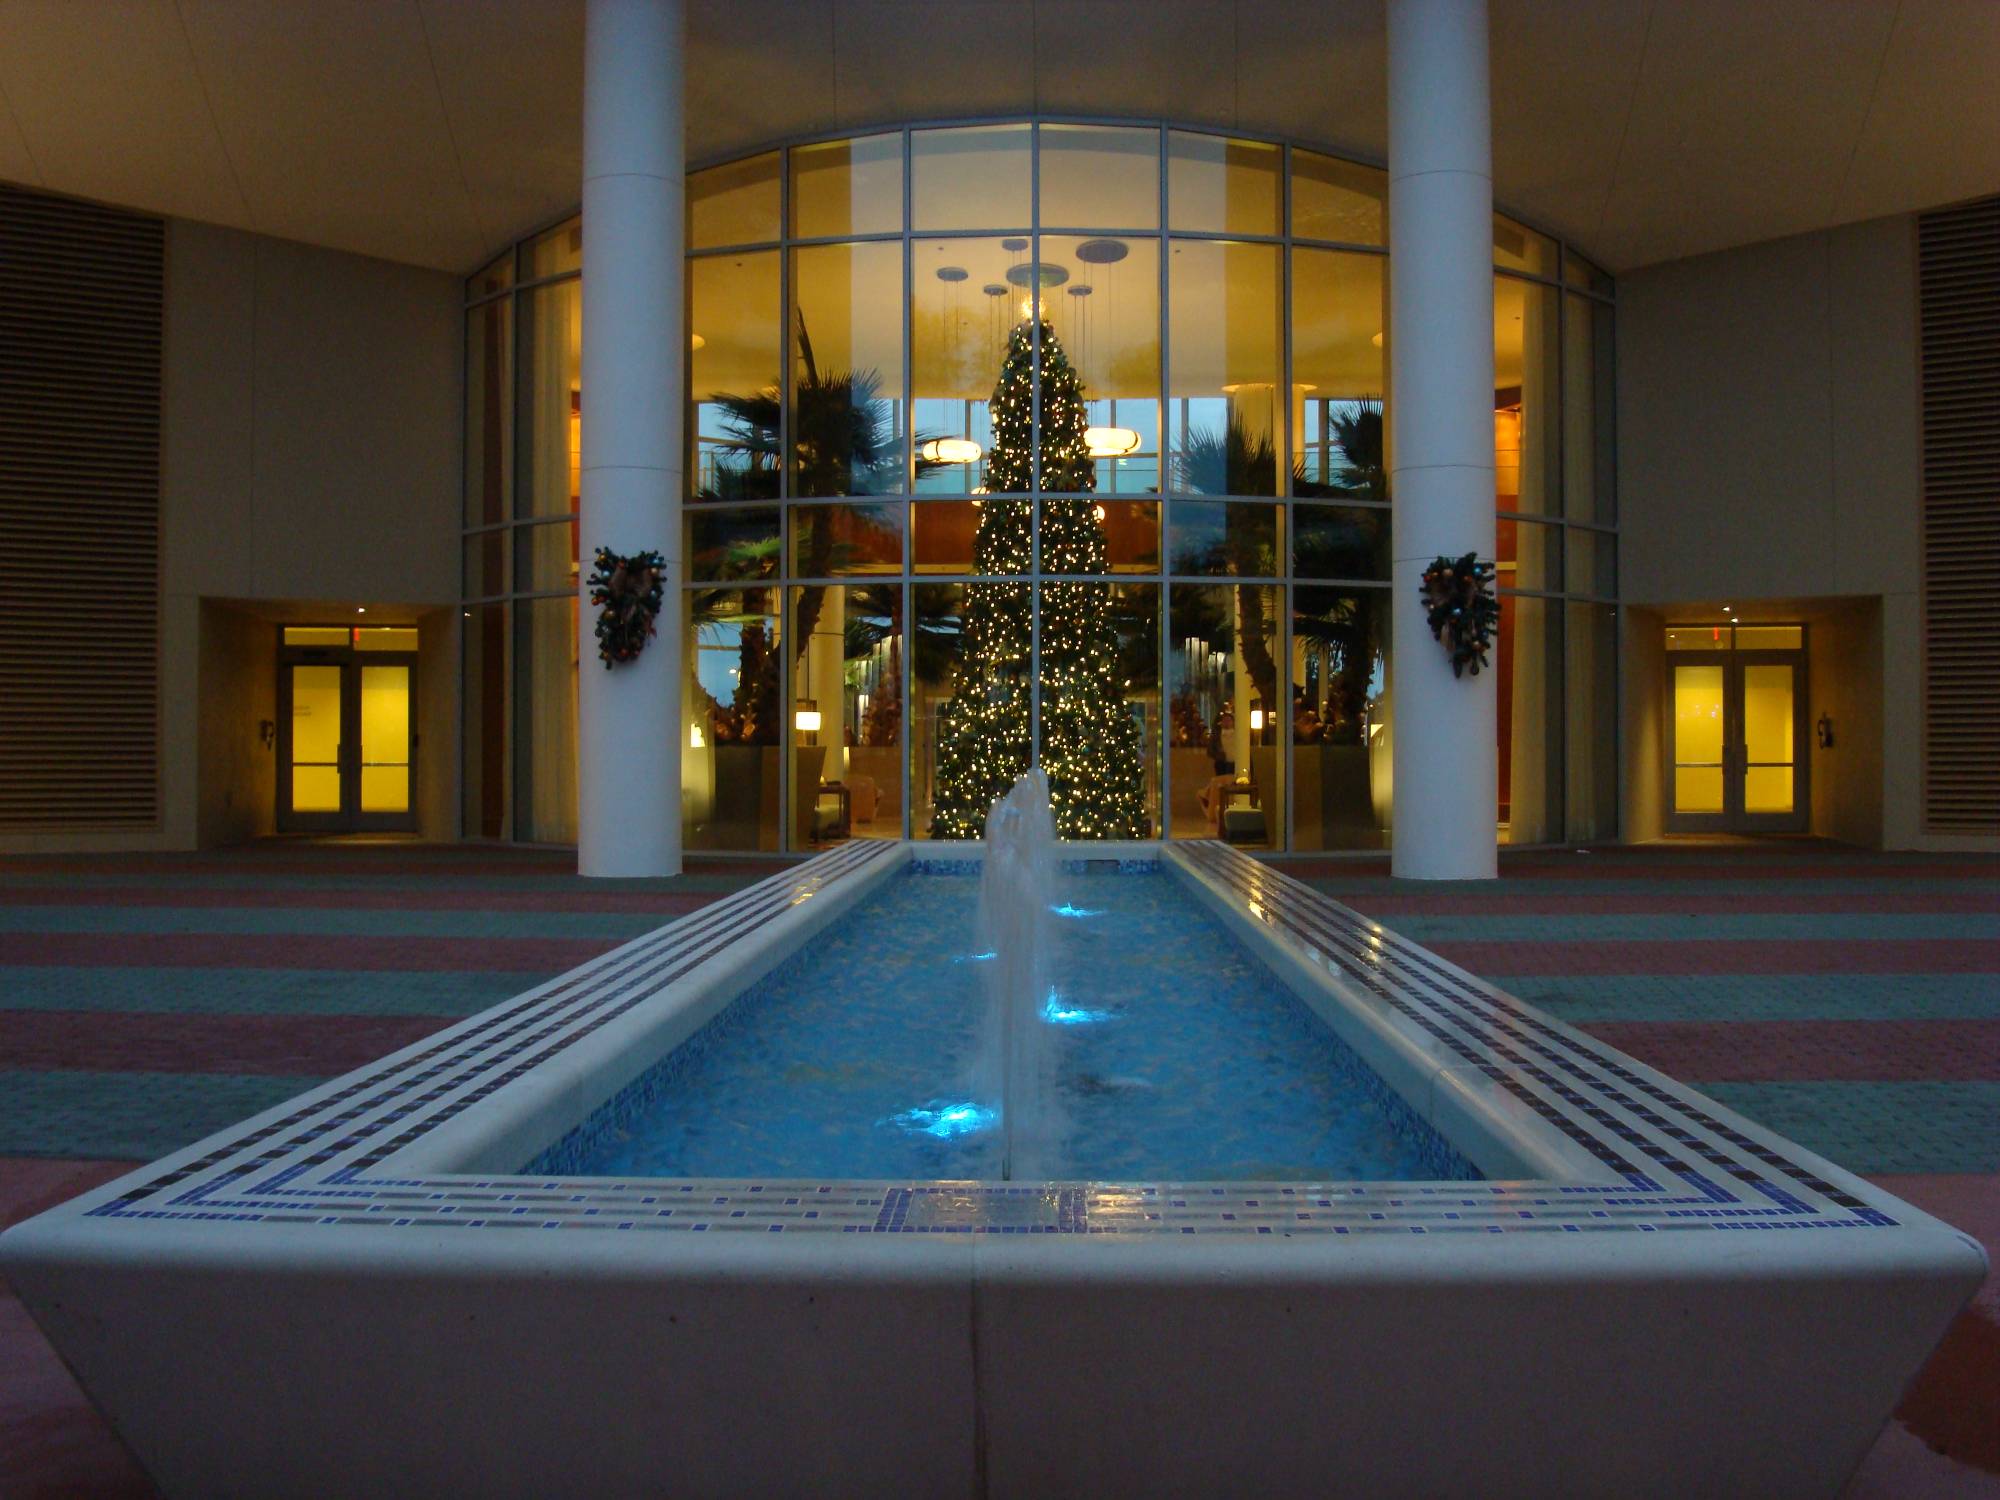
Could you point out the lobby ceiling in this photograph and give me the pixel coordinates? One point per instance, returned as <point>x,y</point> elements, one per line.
<point>434,131</point>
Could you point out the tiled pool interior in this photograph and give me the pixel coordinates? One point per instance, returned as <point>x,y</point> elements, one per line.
<point>1183,1057</point>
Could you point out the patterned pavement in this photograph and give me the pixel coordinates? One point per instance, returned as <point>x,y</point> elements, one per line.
<point>1850,1000</point>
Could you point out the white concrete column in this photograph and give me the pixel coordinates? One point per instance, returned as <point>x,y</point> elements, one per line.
<point>634,361</point>
<point>1440,424</point>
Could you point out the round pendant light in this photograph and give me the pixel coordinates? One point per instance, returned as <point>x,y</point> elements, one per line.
<point>950,451</point>
<point>1110,442</point>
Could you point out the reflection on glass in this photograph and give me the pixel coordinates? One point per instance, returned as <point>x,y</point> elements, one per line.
<point>938,648</point>
<point>730,763</point>
<point>1579,272</point>
<point>385,739</point>
<point>1220,186</point>
<point>1340,541</point>
<point>1131,530</point>
<point>486,778</point>
<point>1529,677</point>
<point>1241,541</point>
<point>1591,714</point>
<point>545,556</point>
<point>1339,312</point>
<point>1095,749</point>
<point>970,177</point>
<point>1519,248</point>
<point>551,253</point>
<point>1770,637</point>
<point>847,377</point>
<point>941,540</point>
<point>489,412</point>
<point>1338,200</point>
<point>970,681</point>
<point>316,716</point>
<point>1528,555</point>
<point>1767,739</point>
<point>1589,406</point>
<point>496,276</point>
<point>1102,299</point>
<point>1526,418</point>
<point>736,204</point>
<point>1697,739</point>
<point>733,376</point>
<point>1698,638</point>
<point>829,540</point>
<point>551,400</point>
<point>732,545</point>
<point>847,713</point>
<point>1225,766</point>
<point>848,187</point>
<point>1100,702</point>
<point>545,720</point>
<point>1104,175</point>
<point>1340,719</point>
<point>1222,394</point>
<point>962,307</point>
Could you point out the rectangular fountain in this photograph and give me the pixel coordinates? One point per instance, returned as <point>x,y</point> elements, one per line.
<point>735,1209</point>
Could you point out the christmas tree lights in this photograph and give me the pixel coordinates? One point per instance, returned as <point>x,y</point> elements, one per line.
<point>1091,746</point>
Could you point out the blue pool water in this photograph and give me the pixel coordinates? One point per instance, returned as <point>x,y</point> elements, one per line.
<point>1181,1058</point>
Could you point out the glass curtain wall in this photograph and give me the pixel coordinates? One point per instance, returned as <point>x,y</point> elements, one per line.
<point>1057,442</point>
<point>519,618</point>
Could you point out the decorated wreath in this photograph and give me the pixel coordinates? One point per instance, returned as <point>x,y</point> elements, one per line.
<point>1461,609</point>
<point>626,591</point>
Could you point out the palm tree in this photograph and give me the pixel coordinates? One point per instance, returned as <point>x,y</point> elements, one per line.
<point>843,442</point>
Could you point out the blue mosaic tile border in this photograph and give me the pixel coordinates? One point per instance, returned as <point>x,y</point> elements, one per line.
<point>1680,1165</point>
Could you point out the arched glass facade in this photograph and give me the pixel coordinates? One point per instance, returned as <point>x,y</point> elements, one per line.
<point>1060,433</point>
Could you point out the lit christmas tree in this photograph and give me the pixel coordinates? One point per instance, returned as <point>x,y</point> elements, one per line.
<point>1090,742</point>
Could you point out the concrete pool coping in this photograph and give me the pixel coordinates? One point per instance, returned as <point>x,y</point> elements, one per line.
<point>359,1223</point>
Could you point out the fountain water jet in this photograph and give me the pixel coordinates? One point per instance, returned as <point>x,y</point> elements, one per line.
<point>1016,1064</point>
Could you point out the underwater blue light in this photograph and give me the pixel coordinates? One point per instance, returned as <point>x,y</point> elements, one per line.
<point>948,1120</point>
<point>1067,910</point>
<point>1062,1013</point>
<point>975,958</point>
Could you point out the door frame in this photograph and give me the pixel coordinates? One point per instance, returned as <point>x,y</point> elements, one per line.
<point>350,819</point>
<point>1735,754</point>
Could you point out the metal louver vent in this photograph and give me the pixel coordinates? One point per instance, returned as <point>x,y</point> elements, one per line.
<point>81,291</point>
<point>1958,267</point>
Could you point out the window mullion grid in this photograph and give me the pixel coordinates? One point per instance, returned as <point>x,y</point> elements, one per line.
<point>904,587</point>
<point>1035,447</point>
<point>787,519</point>
<point>1162,423</point>
<point>520,294</point>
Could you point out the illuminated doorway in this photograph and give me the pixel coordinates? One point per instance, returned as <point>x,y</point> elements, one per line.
<point>346,750</point>
<point>1736,712</point>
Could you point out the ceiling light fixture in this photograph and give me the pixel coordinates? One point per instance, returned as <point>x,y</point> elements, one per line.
<point>1110,442</point>
<point>950,451</point>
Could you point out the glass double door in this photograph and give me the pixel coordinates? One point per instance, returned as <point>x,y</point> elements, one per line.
<point>346,752</point>
<point>1737,727</point>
